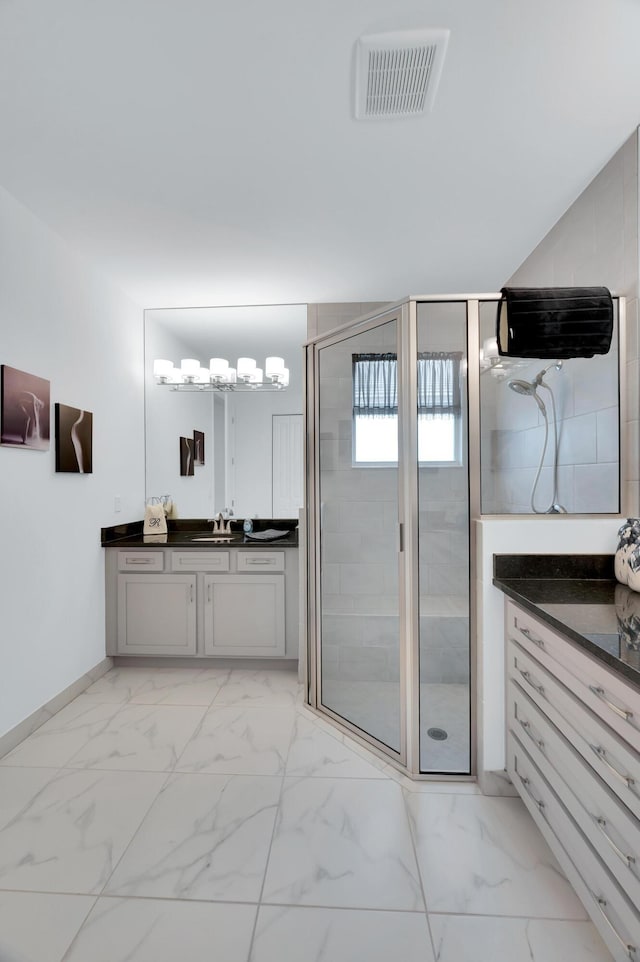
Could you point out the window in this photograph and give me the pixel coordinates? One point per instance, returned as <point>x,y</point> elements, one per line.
<point>375,408</point>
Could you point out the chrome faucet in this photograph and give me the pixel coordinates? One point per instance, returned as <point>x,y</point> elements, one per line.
<point>219,526</point>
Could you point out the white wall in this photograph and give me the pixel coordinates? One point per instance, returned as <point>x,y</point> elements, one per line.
<point>62,321</point>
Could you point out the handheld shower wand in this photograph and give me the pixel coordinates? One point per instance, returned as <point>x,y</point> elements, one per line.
<point>530,389</point>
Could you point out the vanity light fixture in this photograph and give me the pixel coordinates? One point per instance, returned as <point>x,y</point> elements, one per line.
<point>219,376</point>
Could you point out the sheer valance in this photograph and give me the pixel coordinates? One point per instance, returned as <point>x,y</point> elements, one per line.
<point>375,384</point>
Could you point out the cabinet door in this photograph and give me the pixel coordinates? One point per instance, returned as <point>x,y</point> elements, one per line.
<point>156,614</point>
<point>244,615</point>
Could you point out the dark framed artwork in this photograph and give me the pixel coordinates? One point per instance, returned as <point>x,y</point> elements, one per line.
<point>198,447</point>
<point>25,409</point>
<point>74,440</point>
<point>186,457</point>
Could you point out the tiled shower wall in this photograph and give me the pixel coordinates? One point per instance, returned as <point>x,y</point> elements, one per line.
<point>586,399</point>
<point>359,564</point>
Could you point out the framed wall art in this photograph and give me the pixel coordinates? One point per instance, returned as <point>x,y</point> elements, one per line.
<point>186,457</point>
<point>198,447</point>
<point>74,440</point>
<point>24,422</point>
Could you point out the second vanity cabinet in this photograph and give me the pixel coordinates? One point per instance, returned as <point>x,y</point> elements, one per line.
<point>233,602</point>
<point>573,753</point>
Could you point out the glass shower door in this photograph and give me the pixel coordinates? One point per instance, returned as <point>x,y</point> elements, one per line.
<point>443,537</point>
<point>357,541</point>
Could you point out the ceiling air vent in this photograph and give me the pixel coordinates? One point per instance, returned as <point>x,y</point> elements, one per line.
<point>397,73</point>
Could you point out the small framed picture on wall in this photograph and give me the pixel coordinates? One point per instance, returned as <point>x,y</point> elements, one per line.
<point>198,447</point>
<point>25,409</point>
<point>74,440</point>
<point>186,457</point>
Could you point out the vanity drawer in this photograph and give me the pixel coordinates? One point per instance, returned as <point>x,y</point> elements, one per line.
<point>260,561</point>
<point>610,827</point>
<point>613,914</point>
<point>199,560</point>
<point>609,696</point>
<point>613,759</point>
<point>140,560</point>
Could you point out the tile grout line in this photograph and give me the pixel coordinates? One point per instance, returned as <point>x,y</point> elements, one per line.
<point>273,835</point>
<point>419,871</point>
<point>65,954</point>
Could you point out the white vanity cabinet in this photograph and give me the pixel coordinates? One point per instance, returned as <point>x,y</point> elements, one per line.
<point>156,614</point>
<point>202,602</point>
<point>573,753</point>
<point>244,615</point>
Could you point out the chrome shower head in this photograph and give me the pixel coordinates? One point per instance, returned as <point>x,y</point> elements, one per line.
<point>529,389</point>
<point>522,387</point>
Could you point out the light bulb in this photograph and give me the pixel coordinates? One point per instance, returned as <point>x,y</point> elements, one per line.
<point>219,368</point>
<point>274,367</point>
<point>163,369</point>
<point>189,368</point>
<point>246,366</point>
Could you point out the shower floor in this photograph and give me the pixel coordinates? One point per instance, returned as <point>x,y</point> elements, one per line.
<point>374,707</point>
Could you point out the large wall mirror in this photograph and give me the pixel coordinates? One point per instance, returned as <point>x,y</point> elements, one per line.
<point>253,452</point>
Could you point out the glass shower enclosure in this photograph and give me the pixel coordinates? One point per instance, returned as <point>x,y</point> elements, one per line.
<point>389,502</point>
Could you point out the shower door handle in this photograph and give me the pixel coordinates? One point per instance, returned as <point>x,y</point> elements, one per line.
<point>400,538</point>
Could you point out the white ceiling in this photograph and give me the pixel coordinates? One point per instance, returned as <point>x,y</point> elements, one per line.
<point>205,152</point>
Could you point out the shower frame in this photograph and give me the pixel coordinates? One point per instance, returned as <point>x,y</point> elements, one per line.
<point>407,759</point>
<point>405,313</point>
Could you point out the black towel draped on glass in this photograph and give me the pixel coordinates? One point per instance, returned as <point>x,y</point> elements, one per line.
<point>554,322</point>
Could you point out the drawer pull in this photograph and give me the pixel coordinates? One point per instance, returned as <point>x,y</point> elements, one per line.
<point>602,755</point>
<point>527,677</point>
<point>527,727</point>
<point>602,695</point>
<point>629,949</point>
<point>602,825</point>
<point>138,561</point>
<point>527,784</point>
<point>209,593</point>
<point>191,593</point>
<point>525,631</point>
<point>259,561</point>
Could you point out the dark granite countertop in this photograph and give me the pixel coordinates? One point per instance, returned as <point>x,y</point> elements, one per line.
<point>579,597</point>
<point>185,533</point>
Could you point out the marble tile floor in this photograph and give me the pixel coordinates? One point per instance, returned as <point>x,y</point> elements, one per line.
<point>201,814</point>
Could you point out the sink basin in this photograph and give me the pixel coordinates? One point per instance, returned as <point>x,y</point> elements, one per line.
<point>217,537</point>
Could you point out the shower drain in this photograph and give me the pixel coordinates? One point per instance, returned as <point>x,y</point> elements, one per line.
<point>439,734</point>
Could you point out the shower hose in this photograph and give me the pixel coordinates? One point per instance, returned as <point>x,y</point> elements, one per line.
<point>554,507</point>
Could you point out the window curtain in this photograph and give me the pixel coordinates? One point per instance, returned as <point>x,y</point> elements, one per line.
<point>375,384</point>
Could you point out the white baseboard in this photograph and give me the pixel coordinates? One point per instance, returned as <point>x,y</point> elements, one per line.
<point>496,783</point>
<point>14,736</point>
